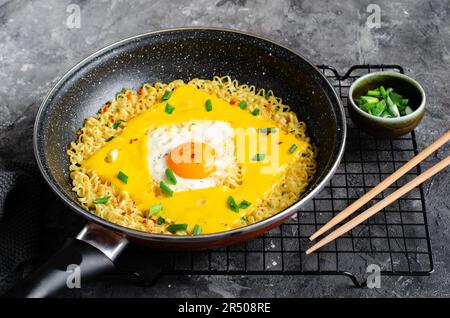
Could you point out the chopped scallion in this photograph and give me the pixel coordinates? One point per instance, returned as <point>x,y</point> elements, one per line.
<point>374,92</point>
<point>255,112</point>
<point>101,200</point>
<point>232,204</point>
<point>122,177</point>
<point>235,207</point>
<point>110,138</point>
<point>383,102</point>
<point>292,148</point>
<point>385,114</point>
<point>166,95</point>
<point>160,220</point>
<point>369,99</point>
<point>208,105</point>
<point>176,227</point>
<point>197,230</point>
<point>378,108</point>
<point>171,176</point>
<point>117,124</point>
<point>392,107</point>
<point>383,92</point>
<point>165,188</point>
<point>154,209</point>
<point>244,204</point>
<point>169,109</point>
<point>242,104</point>
<point>408,110</point>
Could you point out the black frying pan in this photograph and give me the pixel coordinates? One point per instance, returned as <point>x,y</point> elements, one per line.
<point>165,56</point>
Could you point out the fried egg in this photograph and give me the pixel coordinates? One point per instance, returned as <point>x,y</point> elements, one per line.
<point>200,153</point>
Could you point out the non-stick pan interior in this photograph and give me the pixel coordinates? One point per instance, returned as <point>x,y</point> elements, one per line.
<point>186,54</point>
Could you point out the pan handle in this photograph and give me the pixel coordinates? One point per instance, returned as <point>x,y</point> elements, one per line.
<point>92,253</point>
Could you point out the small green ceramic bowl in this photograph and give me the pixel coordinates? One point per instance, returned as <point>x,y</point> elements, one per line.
<point>387,127</point>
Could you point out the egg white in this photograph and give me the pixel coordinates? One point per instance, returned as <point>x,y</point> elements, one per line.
<point>217,134</point>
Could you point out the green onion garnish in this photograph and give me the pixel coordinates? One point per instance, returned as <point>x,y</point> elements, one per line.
<point>408,110</point>
<point>122,177</point>
<point>101,200</point>
<point>176,227</point>
<point>208,105</point>
<point>117,124</point>
<point>267,130</point>
<point>154,209</point>
<point>383,92</point>
<point>383,102</point>
<point>369,99</point>
<point>165,188</point>
<point>255,112</point>
<point>169,109</point>
<point>379,108</point>
<point>166,95</point>
<point>244,218</point>
<point>110,138</point>
<point>259,157</point>
<point>244,204</point>
<point>235,207</point>
<point>197,230</point>
<point>243,104</point>
<point>160,220</point>
<point>374,92</point>
<point>392,108</point>
<point>112,155</point>
<point>292,148</point>
<point>170,176</point>
<point>232,204</point>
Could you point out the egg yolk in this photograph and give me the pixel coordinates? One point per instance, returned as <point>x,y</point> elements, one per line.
<point>192,160</point>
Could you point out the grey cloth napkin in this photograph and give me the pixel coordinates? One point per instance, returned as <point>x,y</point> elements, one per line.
<point>20,215</point>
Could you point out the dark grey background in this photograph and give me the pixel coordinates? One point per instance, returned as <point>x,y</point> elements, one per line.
<point>37,47</point>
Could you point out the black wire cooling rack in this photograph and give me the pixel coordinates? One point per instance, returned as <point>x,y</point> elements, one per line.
<point>396,239</point>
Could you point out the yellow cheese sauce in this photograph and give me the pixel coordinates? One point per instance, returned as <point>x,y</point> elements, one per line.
<point>205,207</point>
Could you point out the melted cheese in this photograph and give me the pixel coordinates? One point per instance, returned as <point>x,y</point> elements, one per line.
<point>213,215</point>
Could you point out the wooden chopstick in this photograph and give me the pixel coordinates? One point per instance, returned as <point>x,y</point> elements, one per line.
<point>383,185</point>
<point>381,204</point>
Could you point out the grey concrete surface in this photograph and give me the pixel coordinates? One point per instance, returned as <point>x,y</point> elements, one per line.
<point>37,47</point>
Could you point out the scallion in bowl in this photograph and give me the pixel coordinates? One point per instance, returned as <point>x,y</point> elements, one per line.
<point>384,103</point>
